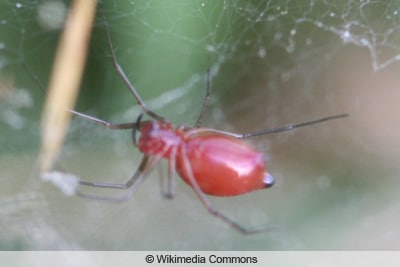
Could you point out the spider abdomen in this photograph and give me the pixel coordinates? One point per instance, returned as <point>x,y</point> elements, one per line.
<point>222,165</point>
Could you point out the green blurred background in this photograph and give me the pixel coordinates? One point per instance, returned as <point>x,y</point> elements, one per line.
<point>271,63</point>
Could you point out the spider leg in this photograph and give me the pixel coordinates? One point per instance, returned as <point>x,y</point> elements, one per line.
<point>146,165</point>
<point>120,126</point>
<point>289,127</point>
<point>211,208</point>
<point>170,192</point>
<point>114,126</point>
<point>142,167</point>
<point>205,102</point>
<point>126,80</point>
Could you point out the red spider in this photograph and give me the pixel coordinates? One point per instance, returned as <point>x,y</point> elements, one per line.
<point>212,162</point>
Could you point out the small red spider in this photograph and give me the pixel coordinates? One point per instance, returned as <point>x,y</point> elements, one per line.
<point>212,162</point>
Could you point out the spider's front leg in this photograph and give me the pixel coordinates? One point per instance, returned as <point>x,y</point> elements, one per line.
<point>146,165</point>
<point>114,126</point>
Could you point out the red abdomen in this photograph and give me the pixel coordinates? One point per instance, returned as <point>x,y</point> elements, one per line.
<point>222,166</point>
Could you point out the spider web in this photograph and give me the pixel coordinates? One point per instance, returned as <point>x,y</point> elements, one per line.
<point>271,62</point>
